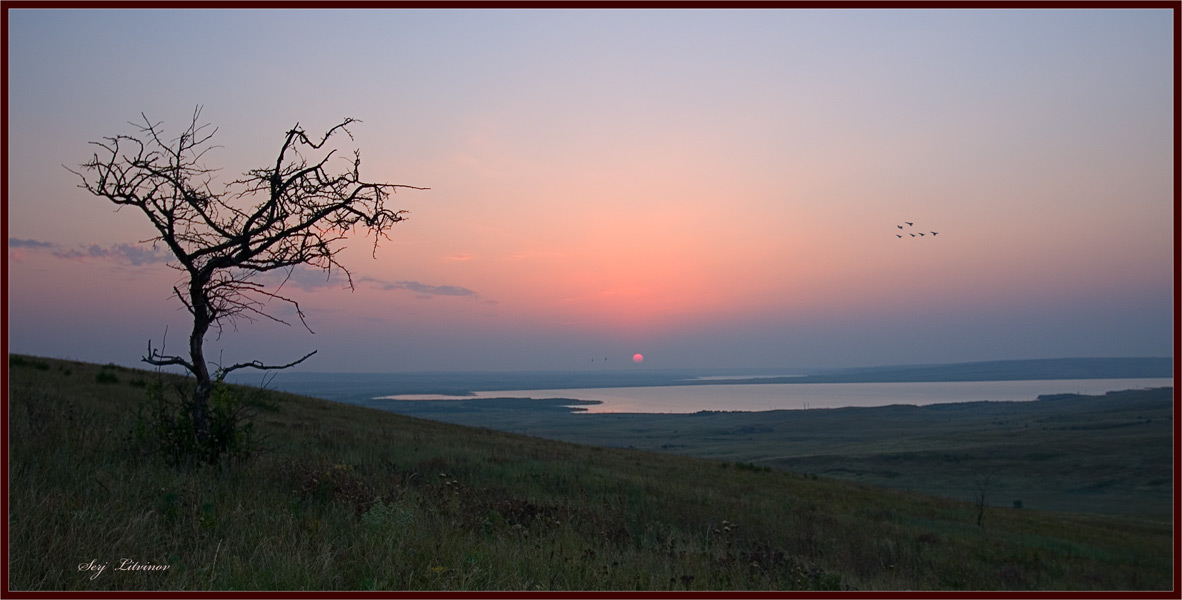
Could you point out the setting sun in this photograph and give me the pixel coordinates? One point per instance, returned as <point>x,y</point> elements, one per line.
<point>638,358</point>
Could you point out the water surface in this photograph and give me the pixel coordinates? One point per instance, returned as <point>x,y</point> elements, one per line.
<point>792,396</point>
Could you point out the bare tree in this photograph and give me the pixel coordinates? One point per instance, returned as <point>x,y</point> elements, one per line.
<point>981,482</point>
<point>294,211</point>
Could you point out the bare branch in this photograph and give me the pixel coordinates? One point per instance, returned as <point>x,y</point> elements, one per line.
<point>157,358</point>
<point>254,364</point>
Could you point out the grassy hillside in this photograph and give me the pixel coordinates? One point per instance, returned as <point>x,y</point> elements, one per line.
<point>349,498</point>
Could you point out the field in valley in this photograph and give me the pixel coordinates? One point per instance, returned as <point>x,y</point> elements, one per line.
<point>1109,454</point>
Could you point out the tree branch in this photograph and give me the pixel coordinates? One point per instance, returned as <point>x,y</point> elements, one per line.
<point>254,364</point>
<point>155,357</point>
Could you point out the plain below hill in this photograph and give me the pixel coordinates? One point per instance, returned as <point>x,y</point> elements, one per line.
<point>1110,453</point>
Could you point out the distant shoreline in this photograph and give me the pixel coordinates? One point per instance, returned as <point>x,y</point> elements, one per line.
<point>355,386</point>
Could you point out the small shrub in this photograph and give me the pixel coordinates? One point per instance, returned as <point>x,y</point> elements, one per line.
<point>208,515</point>
<point>166,426</point>
<point>15,360</point>
<point>321,483</point>
<point>169,506</point>
<point>385,518</point>
<point>106,377</point>
<point>752,467</point>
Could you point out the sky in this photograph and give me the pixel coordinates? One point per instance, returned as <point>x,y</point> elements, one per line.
<point>710,188</point>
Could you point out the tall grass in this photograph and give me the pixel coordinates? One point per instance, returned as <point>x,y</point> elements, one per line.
<point>346,498</point>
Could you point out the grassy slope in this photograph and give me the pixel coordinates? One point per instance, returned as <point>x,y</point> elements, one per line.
<point>352,498</point>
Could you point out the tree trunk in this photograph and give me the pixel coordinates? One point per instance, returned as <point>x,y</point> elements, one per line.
<point>199,405</point>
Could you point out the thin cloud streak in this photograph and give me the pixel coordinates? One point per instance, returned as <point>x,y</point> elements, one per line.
<point>35,244</point>
<point>302,278</point>
<point>122,253</point>
<point>314,279</point>
<point>132,254</point>
<point>423,290</point>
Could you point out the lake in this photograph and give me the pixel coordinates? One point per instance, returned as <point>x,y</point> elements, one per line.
<point>794,396</point>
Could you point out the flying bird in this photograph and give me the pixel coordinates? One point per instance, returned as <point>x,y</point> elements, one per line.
<point>921,235</point>
<point>909,223</point>
<point>911,234</point>
<point>898,236</point>
<point>899,226</point>
<point>935,233</point>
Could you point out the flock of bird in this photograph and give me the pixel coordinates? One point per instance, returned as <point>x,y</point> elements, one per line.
<point>919,233</point>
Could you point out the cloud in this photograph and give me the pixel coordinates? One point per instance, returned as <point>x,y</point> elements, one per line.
<point>34,244</point>
<point>424,290</point>
<point>305,278</point>
<point>124,253</point>
<point>133,254</point>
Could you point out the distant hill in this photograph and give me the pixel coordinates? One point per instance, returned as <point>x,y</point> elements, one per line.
<point>998,370</point>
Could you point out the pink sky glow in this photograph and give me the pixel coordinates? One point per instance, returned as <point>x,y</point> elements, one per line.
<point>717,189</point>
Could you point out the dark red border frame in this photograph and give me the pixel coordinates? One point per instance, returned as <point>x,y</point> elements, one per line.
<point>1175,6</point>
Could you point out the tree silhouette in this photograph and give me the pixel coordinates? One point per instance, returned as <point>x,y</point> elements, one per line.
<point>981,482</point>
<point>294,211</point>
